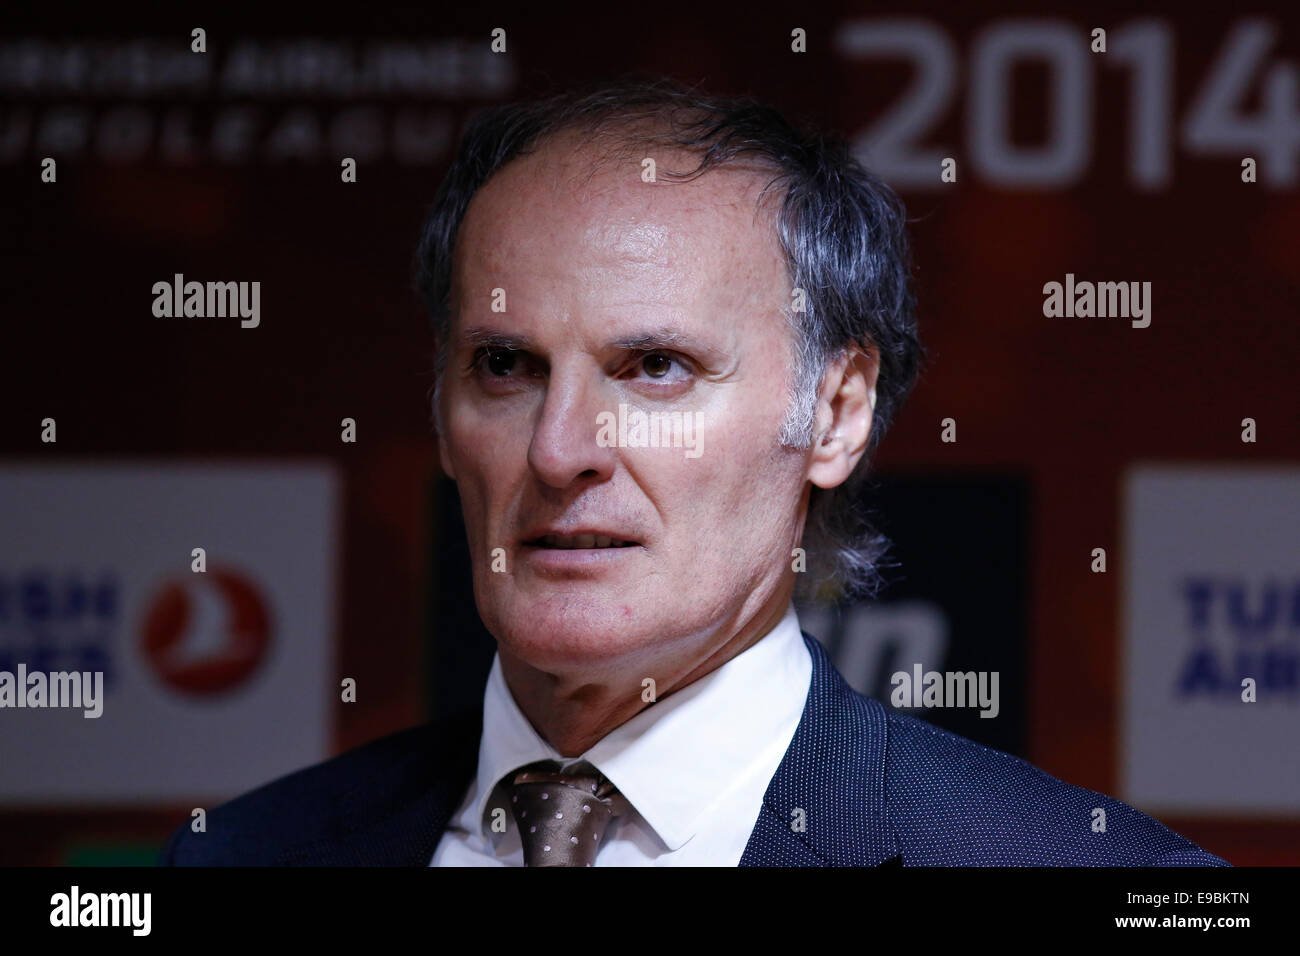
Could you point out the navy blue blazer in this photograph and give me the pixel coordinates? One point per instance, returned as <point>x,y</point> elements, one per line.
<point>875,788</point>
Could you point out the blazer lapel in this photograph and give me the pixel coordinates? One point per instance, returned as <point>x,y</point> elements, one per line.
<point>825,806</point>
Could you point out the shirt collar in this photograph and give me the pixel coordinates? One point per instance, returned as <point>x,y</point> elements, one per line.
<point>680,755</point>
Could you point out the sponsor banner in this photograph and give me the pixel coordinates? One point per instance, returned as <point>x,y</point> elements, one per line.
<point>1212,641</point>
<point>196,684</point>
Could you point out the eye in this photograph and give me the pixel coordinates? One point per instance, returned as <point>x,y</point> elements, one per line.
<point>500,362</point>
<point>496,362</point>
<point>663,366</point>
<point>656,364</point>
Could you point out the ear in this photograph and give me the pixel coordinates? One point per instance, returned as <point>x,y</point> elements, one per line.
<point>846,404</point>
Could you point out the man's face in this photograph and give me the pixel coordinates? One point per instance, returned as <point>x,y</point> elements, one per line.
<point>659,297</point>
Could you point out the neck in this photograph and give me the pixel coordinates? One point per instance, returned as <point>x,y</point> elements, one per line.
<point>573,711</point>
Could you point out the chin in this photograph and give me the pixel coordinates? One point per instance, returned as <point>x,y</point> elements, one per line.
<point>560,633</point>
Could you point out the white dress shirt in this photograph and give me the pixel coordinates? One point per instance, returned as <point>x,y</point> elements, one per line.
<point>694,766</point>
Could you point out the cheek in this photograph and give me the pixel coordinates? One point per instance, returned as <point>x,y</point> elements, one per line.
<point>480,479</point>
<point>738,496</point>
<point>486,447</point>
<point>763,481</point>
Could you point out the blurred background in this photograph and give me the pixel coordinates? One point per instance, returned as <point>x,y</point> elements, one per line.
<point>1108,532</point>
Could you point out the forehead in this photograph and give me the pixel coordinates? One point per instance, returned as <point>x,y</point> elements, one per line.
<point>575,213</point>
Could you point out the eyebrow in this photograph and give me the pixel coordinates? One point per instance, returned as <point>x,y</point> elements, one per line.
<point>648,340</point>
<point>494,338</point>
<point>656,339</point>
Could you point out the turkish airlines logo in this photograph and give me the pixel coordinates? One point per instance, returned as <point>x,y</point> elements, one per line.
<point>208,634</point>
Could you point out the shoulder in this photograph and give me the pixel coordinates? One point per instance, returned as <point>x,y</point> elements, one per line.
<point>954,802</point>
<point>324,801</point>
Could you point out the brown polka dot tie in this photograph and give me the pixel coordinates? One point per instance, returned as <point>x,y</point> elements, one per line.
<point>561,816</point>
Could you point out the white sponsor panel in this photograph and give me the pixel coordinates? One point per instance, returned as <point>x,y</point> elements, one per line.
<point>1212,600</point>
<point>213,682</point>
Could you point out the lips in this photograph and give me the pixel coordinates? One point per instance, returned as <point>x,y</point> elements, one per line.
<point>576,541</point>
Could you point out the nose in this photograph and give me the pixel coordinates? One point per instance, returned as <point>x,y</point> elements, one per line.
<point>564,448</point>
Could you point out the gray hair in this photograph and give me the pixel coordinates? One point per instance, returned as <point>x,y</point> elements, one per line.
<point>841,230</point>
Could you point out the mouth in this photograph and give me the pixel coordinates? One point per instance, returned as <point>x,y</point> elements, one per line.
<point>566,542</point>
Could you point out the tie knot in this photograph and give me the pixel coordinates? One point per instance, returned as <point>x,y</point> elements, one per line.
<point>561,816</point>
